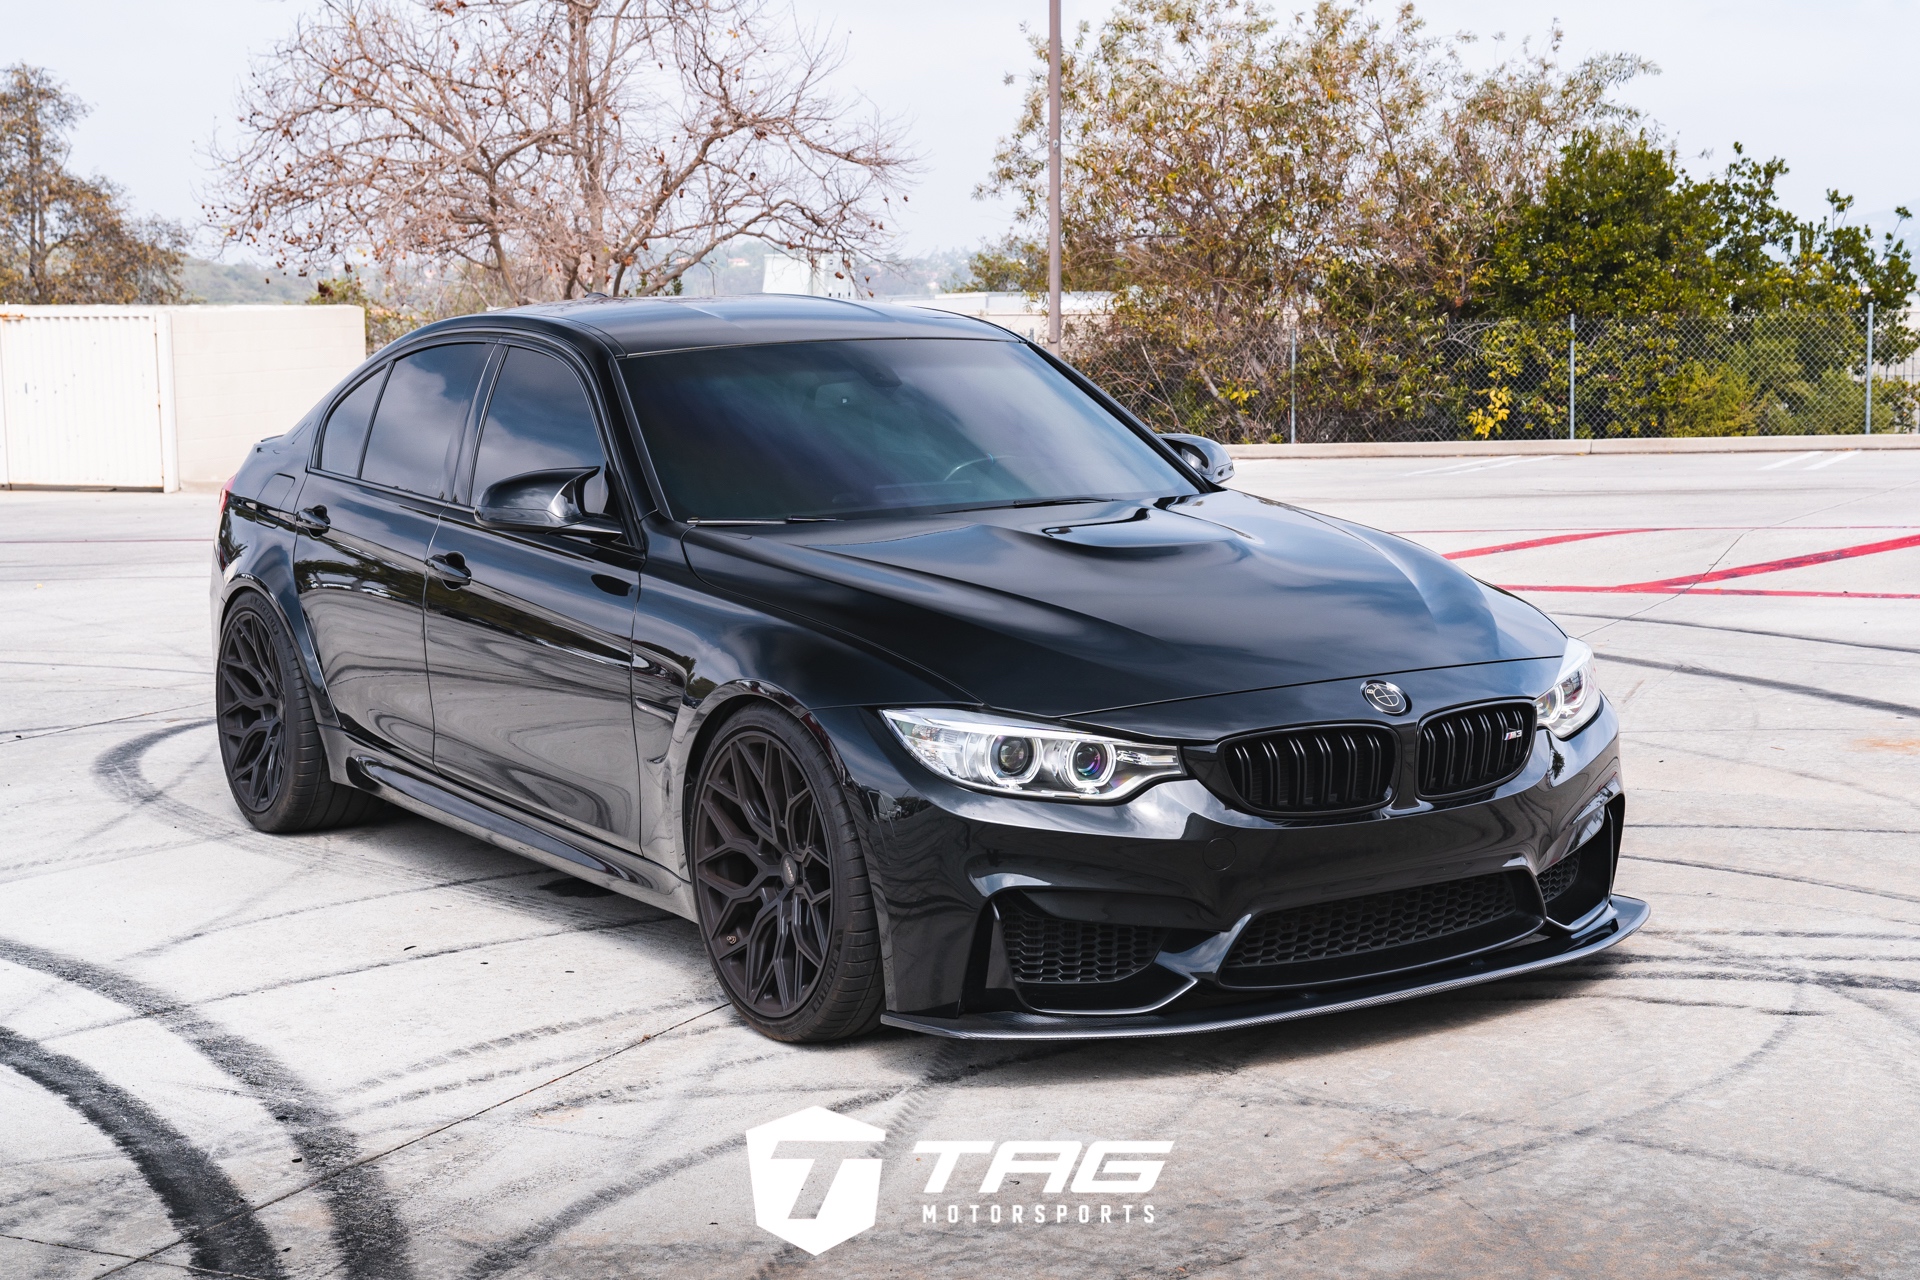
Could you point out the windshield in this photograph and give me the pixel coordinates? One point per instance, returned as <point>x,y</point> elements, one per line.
<point>837,429</point>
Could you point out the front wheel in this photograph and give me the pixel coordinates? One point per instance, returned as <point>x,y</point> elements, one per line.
<point>781,886</point>
<point>270,745</point>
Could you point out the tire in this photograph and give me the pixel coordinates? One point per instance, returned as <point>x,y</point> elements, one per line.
<point>270,746</point>
<point>785,906</point>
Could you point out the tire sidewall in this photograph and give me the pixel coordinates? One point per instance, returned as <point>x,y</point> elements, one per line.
<point>852,894</point>
<point>294,712</point>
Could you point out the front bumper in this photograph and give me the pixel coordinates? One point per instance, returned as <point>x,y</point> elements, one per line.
<point>1622,917</point>
<point>959,876</point>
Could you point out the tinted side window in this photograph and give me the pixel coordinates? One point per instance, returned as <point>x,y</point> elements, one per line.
<point>346,432</point>
<point>421,417</point>
<point>539,420</point>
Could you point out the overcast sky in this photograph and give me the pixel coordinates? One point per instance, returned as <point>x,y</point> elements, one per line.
<point>1828,86</point>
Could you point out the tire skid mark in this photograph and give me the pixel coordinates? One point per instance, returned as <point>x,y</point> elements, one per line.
<point>1882,1009</point>
<point>301,980</point>
<point>34,868</point>
<point>48,731</point>
<point>508,1041</point>
<point>212,928</point>
<point>213,1218</point>
<point>1783,686</point>
<point>507,1073</point>
<point>1746,631</point>
<point>120,771</point>
<point>1904,801</point>
<point>1490,995</point>
<point>367,1232</point>
<point>1773,875</point>
<point>1476,1166</point>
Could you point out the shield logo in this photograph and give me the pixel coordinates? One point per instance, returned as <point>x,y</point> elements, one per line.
<point>853,1197</point>
<point>1385,697</point>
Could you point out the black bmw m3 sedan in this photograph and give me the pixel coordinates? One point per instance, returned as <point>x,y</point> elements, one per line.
<point>931,685</point>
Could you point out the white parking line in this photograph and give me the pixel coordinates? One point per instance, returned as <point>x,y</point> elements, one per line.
<point>1827,462</point>
<point>1461,468</point>
<point>1787,462</point>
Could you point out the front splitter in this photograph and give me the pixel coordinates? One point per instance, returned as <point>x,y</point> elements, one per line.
<point>1624,916</point>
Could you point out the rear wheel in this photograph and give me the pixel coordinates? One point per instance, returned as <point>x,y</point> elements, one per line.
<point>781,886</point>
<point>270,743</point>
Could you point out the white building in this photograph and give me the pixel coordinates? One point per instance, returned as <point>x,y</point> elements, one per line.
<point>1024,314</point>
<point>785,273</point>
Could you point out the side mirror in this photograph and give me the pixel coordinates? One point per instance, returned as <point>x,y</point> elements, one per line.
<point>543,502</point>
<point>1209,457</point>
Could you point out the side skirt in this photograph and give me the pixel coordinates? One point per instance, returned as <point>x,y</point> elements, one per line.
<point>610,868</point>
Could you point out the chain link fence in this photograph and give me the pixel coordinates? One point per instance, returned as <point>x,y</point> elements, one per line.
<point>1777,373</point>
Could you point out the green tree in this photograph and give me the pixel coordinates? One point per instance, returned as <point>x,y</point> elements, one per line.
<point>66,239</point>
<point>1009,265</point>
<point>1619,230</point>
<point>1231,176</point>
<point>1616,229</point>
<point>1705,307</point>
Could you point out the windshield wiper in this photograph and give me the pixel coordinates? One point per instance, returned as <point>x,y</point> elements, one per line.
<point>1035,502</point>
<point>784,520</point>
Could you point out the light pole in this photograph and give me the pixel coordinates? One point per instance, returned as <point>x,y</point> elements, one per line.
<point>1053,176</point>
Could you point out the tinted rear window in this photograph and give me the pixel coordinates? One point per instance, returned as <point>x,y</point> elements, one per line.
<point>421,416</point>
<point>879,425</point>
<point>346,435</point>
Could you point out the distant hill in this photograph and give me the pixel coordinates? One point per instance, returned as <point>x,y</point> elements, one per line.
<point>237,282</point>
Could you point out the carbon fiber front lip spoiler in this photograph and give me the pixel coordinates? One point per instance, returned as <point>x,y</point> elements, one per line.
<point>1623,917</point>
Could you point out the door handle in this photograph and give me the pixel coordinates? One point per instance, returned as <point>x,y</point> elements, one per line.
<point>312,521</point>
<point>451,569</point>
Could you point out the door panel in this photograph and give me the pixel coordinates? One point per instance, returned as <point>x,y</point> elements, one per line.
<point>361,584</point>
<point>530,666</point>
<point>360,559</point>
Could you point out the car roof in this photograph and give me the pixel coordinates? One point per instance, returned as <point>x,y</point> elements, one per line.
<point>636,326</point>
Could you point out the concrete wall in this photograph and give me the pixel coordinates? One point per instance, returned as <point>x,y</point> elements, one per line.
<point>241,374</point>
<point>159,397</point>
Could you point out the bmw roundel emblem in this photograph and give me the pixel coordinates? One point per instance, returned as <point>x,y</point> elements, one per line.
<point>1385,696</point>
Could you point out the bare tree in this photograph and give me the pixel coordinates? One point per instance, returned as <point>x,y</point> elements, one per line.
<point>552,148</point>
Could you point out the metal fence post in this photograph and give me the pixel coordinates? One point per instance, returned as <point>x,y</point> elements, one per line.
<point>1573,335</point>
<point>1293,400</point>
<point>1869,427</point>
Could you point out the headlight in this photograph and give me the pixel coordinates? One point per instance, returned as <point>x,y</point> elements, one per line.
<point>1574,698</point>
<point>1020,758</point>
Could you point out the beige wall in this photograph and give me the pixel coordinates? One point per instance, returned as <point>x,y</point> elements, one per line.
<point>241,374</point>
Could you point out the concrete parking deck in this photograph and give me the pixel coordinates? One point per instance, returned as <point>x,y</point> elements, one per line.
<point>395,1052</point>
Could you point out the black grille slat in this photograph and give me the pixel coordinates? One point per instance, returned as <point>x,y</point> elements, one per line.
<point>1324,770</point>
<point>1474,749</point>
<point>1376,922</point>
<point>1559,877</point>
<point>1045,949</point>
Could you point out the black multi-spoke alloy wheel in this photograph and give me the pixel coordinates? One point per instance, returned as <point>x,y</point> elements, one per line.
<point>782,889</point>
<point>270,744</point>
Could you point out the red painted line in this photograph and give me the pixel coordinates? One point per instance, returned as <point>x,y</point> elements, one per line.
<point>1653,589</point>
<point>1700,528</point>
<point>1544,542</point>
<point>1779,566</point>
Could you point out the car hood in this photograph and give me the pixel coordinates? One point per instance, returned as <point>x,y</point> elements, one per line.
<point>1067,610</point>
